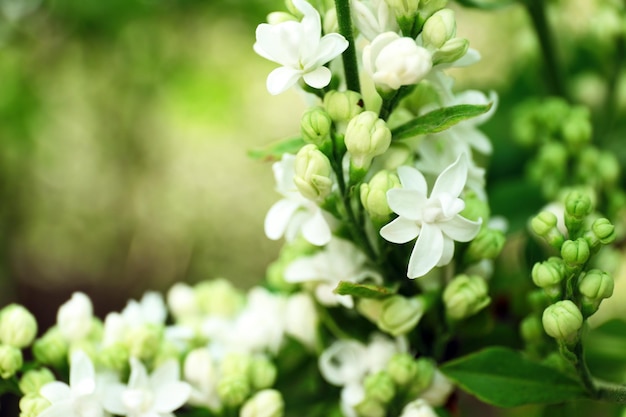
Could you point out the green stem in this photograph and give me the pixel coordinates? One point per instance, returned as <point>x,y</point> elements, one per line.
<point>610,104</point>
<point>554,75</point>
<point>583,370</point>
<point>349,55</point>
<point>390,103</point>
<point>607,391</point>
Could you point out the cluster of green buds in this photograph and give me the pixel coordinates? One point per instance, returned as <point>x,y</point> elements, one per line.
<point>574,289</point>
<point>439,35</point>
<point>18,329</point>
<point>562,133</point>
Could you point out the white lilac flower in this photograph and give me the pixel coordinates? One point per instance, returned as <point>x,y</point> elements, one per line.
<point>155,395</point>
<point>81,398</point>
<point>201,373</point>
<point>393,61</point>
<point>418,408</point>
<point>373,17</point>
<point>340,260</point>
<point>150,310</point>
<point>295,214</point>
<point>434,219</point>
<point>300,48</point>
<point>75,316</point>
<point>301,319</point>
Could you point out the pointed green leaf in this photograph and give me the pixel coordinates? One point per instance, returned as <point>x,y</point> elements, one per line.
<point>439,120</point>
<point>503,377</point>
<point>363,290</point>
<point>275,150</point>
<point>486,4</point>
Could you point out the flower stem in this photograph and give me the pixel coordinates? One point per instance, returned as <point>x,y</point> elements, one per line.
<point>349,55</point>
<point>607,391</point>
<point>554,76</point>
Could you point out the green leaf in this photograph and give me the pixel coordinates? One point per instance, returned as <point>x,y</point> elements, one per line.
<point>486,4</point>
<point>439,120</point>
<point>275,150</point>
<point>363,290</point>
<point>503,377</point>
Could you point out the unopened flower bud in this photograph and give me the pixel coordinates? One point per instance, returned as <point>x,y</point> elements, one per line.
<point>429,7</point>
<point>312,173</point>
<point>393,61</point>
<point>315,126</point>
<point>367,136</point>
<point>74,318</point>
<point>374,194</point>
<point>275,18</point>
<point>543,223</point>
<point>31,405</point>
<point>144,341</point>
<point>262,373</point>
<point>603,230</point>
<point>218,297</point>
<point>11,361</point>
<point>439,390</point>
<point>402,368</point>
<point>399,314</point>
<point>51,349</point>
<point>475,207</point>
<point>578,204</point>
<point>575,252</point>
<point>114,356</point>
<point>181,300</point>
<point>418,408</point>
<point>439,28</point>
<point>266,403</point>
<point>465,296</point>
<point>236,364</point>
<point>548,273</point>
<point>608,169</point>
<point>32,380</point>
<point>576,128</point>
<point>451,51</point>
<point>18,326</point>
<point>233,390</point>
<point>370,407</point>
<point>562,320</point>
<point>403,8</point>
<point>370,308</point>
<point>531,329</point>
<point>594,286</point>
<point>343,106</point>
<point>380,387</point>
<point>486,245</point>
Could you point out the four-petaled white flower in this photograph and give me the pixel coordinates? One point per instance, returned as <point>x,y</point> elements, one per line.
<point>300,48</point>
<point>340,260</point>
<point>434,219</point>
<point>294,213</point>
<point>156,395</point>
<point>78,399</point>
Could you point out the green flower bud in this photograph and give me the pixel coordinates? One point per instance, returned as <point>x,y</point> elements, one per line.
<point>18,327</point>
<point>543,223</point>
<point>531,329</point>
<point>233,390</point>
<point>236,364</point>
<point>219,297</point>
<point>367,136</point>
<point>562,320</point>
<point>144,342</point>
<point>370,407</point>
<point>475,207</point>
<point>370,308</point>
<point>465,296</point>
<point>266,403</point>
<point>380,387</point>
<point>594,286</point>
<point>11,361</point>
<point>439,28</point>
<point>32,380</point>
<point>402,368</point>
<point>608,169</point>
<point>400,314</point>
<point>451,51</point>
<point>315,126</point>
<point>397,155</point>
<point>576,128</point>
<point>486,245</point>
<point>51,349</point>
<point>343,106</point>
<point>374,194</point>
<point>548,273</point>
<point>603,230</point>
<point>404,8</point>
<point>578,204</point>
<point>575,252</point>
<point>31,405</point>
<point>429,7</point>
<point>312,173</point>
<point>262,373</point>
<point>114,357</point>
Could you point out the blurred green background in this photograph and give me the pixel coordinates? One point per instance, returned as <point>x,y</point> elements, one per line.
<point>124,127</point>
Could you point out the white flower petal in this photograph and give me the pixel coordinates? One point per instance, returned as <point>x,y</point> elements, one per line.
<point>330,47</point>
<point>281,79</point>
<point>344,362</point>
<point>460,229</point>
<point>279,43</point>
<point>278,218</point>
<point>476,139</point>
<point>138,376</point>
<point>452,180</point>
<point>412,179</point>
<point>316,229</point>
<point>82,374</point>
<point>167,372</point>
<point>400,230</point>
<point>62,409</point>
<point>448,251</point>
<point>55,391</point>
<point>171,396</point>
<point>406,202</point>
<point>302,270</point>
<point>112,399</point>
<point>427,252</point>
<point>318,78</point>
